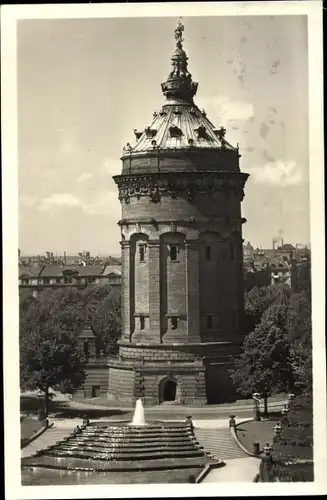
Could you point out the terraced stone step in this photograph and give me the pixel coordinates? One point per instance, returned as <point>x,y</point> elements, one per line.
<point>95,465</point>
<point>126,424</point>
<point>131,438</point>
<point>122,442</point>
<point>128,456</point>
<point>127,446</point>
<point>141,432</point>
<point>113,449</point>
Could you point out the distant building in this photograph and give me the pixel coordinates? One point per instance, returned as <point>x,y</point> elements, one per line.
<point>277,265</point>
<point>281,275</point>
<point>38,278</point>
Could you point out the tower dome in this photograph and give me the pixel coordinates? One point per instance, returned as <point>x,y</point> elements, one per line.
<point>179,126</point>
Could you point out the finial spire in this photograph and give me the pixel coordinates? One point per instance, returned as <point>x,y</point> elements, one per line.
<point>179,84</point>
<point>179,33</point>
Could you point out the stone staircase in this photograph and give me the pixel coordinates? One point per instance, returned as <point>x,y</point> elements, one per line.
<point>219,443</point>
<point>49,438</point>
<point>104,446</point>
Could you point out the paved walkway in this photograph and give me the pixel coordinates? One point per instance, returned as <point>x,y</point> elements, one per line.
<point>48,438</point>
<point>238,470</point>
<point>165,408</point>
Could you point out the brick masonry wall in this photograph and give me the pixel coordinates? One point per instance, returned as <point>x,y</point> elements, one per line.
<point>190,386</point>
<point>140,274</point>
<point>95,376</point>
<point>194,160</point>
<point>121,384</point>
<point>157,355</point>
<point>127,291</point>
<point>203,206</point>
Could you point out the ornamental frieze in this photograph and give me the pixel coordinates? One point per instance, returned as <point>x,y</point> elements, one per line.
<point>155,187</point>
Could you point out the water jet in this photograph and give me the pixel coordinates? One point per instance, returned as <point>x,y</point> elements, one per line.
<point>138,417</point>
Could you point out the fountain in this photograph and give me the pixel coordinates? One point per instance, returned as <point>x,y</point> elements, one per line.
<point>138,417</point>
<point>116,451</point>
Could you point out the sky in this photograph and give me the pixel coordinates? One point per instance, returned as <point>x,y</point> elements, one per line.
<point>84,85</point>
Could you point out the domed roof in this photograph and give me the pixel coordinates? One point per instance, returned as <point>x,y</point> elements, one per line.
<point>177,126</point>
<point>180,124</point>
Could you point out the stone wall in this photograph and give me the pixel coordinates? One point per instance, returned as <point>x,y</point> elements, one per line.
<point>121,384</point>
<point>217,204</point>
<point>96,378</point>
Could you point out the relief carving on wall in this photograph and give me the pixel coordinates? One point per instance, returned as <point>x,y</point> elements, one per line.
<point>184,185</point>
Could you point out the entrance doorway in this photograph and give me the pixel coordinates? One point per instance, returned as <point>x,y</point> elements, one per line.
<point>168,391</point>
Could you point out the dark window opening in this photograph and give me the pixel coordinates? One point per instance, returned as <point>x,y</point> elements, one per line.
<point>95,391</point>
<point>142,322</point>
<point>173,252</point>
<point>46,281</point>
<point>142,253</point>
<point>175,131</point>
<point>25,281</point>
<point>86,349</point>
<point>68,280</point>
<point>208,252</point>
<point>209,321</point>
<point>174,323</point>
<point>58,280</point>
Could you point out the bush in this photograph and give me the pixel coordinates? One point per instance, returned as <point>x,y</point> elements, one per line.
<point>292,453</point>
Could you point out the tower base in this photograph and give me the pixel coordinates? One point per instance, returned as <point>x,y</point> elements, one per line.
<point>187,374</point>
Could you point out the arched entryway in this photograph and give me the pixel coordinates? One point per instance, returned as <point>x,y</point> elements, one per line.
<point>168,390</point>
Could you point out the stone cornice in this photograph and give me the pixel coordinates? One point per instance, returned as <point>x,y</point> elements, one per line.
<point>217,221</point>
<point>187,184</point>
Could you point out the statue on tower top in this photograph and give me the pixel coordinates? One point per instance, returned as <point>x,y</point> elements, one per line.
<point>179,33</point>
<point>179,84</point>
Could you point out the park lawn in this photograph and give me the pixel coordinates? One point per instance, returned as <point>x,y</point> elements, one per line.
<point>28,427</point>
<point>261,432</point>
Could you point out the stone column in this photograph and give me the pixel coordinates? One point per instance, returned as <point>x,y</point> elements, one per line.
<point>192,290</point>
<point>126,290</point>
<point>154,291</point>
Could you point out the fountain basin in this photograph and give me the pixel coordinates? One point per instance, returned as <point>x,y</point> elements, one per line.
<point>117,447</point>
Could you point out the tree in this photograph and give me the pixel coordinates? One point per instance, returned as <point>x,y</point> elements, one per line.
<point>103,314</point>
<point>264,365</point>
<point>50,358</point>
<point>50,325</point>
<point>106,321</point>
<point>258,300</point>
<point>300,338</point>
<point>49,354</point>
